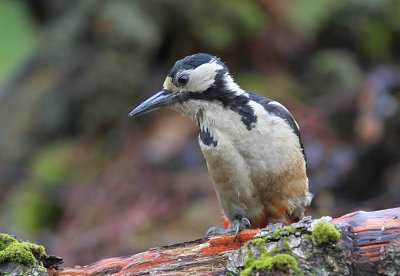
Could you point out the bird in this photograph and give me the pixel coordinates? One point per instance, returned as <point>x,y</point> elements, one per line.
<point>251,144</point>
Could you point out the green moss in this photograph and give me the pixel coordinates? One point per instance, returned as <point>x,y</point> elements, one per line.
<point>286,245</point>
<point>36,249</point>
<point>276,249</point>
<point>266,261</point>
<point>6,240</point>
<point>259,242</point>
<point>41,269</point>
<point>16,253</point>
<point>325,233</point>
<point>282,262</point>
<point>284,229</point>
<point>250,258</point>
<point>289,229</point>
<point>282,245</point>
<point>312,253</point>
<point>24,253</point>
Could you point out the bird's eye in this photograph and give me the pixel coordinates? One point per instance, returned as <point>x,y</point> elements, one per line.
<point>183,80</point>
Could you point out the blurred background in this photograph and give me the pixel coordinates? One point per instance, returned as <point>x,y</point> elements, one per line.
<point>80,177</point>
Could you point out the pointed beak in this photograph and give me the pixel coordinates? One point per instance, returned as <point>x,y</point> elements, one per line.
<point>160,99</point>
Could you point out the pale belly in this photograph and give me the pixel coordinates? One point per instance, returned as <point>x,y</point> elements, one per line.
<point>247,175</point>
<point>232,181</point>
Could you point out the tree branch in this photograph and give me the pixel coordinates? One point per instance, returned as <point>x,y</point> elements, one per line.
<point>369,243</point>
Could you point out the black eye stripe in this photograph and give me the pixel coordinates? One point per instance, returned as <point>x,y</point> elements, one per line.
<point>183,80</point>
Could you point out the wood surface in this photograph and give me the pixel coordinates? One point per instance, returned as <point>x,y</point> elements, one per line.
<point>372,238</point>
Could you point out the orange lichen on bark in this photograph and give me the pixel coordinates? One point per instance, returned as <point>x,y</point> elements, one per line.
<point>221,244</point>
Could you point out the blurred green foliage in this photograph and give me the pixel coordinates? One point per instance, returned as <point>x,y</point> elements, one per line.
<point>283,87</point>
<point>236,18</point>
<point>19,36</point>
<point>32,208</point>
<point>54,162</point>
<point>335,71</point>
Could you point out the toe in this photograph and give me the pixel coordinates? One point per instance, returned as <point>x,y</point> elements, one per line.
<point>213,231</point>
<point>245,223</point>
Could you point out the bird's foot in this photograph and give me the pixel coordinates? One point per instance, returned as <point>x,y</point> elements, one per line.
<point>236,227</point>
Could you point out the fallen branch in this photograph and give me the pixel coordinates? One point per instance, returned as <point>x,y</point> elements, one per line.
<point>369,244</point>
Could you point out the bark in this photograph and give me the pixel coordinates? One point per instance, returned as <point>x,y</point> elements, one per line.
<point>369,245</point>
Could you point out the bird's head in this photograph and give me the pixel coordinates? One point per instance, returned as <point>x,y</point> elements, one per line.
<point>199,77</point>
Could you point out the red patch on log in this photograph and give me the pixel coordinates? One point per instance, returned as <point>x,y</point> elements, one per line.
<point>221,244</point>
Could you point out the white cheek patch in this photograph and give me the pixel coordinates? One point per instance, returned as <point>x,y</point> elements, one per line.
<point>203,77</point>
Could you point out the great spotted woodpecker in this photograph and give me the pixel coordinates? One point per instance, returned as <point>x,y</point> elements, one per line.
<point>252,144</point>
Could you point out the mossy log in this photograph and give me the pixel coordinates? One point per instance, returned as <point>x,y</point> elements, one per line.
<point>368,243</point>
<point>24,258</point>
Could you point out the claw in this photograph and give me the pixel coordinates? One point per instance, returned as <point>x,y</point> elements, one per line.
<point>236,227</point>
<point>246,222</point>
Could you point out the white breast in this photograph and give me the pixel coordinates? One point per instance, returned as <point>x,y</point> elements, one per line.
<point>241,156</point>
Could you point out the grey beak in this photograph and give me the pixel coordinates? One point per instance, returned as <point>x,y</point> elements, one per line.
<point>162,98</point>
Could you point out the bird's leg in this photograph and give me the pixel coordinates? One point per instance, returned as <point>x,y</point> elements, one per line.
<point>237,226</point>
